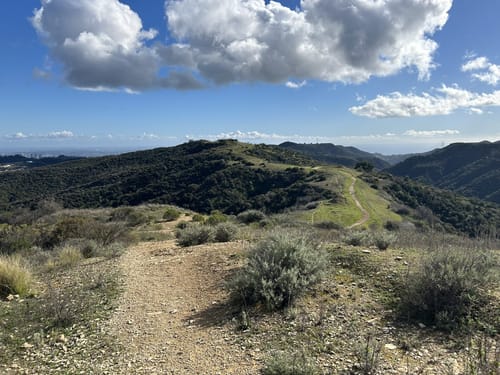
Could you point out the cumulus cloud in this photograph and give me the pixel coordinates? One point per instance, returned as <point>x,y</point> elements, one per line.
<point>486,71</point>
<point>102,44</point>
<point>347,41</point>
<point>447,100</point>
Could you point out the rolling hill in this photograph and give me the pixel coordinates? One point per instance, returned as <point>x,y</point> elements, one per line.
<point>200,175</point>
<point>334,154</point>
<point>471,169</point>
<point>232,177</point>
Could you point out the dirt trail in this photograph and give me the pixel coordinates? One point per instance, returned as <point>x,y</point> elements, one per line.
<point>366,215</point>
<point>173,317</point>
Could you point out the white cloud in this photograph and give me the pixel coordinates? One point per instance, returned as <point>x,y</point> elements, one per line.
<point>295,85</point>
<point>489,72</point>
<point>16,136</point>
<point>447,100</point>
<point>102,44</point>
<point>430,133</point>
<point>347,41</point>
<point>64,134</point>
<point>61,134</point>
<point>475,64</point>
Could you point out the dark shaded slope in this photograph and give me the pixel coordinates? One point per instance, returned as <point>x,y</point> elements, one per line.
<point>472,169</point>
<point>200,175</point>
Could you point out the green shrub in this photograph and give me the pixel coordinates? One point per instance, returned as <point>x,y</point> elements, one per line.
<point>17,238</point>
<point>392,226</point>
<point>129,215</point>
<point>289,364</point>
<point>279,269</point>
<point>182,224</point>
<point>171,214</point>
<point>251,216</point>
<point>216,217</point>
<point>225,232</point>
<point>197,218</point>
<point>356,238</point>
<point>15,277</point>
<point>112,250</point>
<point>448,287</point>
<point>194,234</point>
<point>329,225</point>
<point>383,240</point>
<point>88,248</point>
<point>66,228</point>
<point>107,233</point>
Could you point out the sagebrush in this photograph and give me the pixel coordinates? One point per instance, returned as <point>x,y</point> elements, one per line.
<point>448,287</point>
<point>280,268</point>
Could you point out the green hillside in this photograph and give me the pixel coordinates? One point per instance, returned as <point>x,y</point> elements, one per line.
<point>334,154</point>
<point>471,169</point>
<point>201,175</point>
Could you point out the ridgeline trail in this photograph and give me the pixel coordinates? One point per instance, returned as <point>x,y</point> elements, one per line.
<point>366,215</point>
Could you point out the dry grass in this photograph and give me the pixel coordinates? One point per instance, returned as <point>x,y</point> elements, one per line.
<point>15,277</point>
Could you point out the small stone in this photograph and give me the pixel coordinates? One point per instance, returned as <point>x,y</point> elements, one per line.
<point>390,346</point>
<point>398,258</point>
<point>421,325</point>
<point>10,297</point>
<point>62,339</point>
<point>173,311</point>
<point>366,251</point>
<point>27,345</point>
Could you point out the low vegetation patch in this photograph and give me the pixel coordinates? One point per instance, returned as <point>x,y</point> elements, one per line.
<point>251,216</point>
<point>216,217</point>
<point>280,268</point>
<point>448,287</point>
<point>225,232</point>
<point>171,214</point>
<point>15,277</point>
<point>290,364</point>
<point>194,234</point>
<point>64,257</point>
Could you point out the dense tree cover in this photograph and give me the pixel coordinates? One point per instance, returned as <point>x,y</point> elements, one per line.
<point>201,175</point>
<point>20,161</point>
<point>471,169</point>
<point>473,217</point>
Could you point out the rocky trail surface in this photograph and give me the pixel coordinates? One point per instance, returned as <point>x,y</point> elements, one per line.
<point>174,317</point>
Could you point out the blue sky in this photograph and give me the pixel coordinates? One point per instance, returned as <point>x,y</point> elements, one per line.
<point>390,76</point>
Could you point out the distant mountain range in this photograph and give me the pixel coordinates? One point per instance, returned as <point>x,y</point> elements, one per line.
<point>471,169</point>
